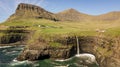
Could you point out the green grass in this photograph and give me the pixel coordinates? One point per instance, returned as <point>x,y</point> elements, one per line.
<point>54,44</point>
<point>51,31</point>
<point>87,28</point>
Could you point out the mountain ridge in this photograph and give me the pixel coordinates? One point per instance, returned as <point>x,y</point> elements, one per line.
<point>73,15</point>
<point>32,11</point>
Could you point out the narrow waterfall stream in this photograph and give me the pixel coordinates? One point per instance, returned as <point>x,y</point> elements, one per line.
<point>78,47</point>
<point>79,60</point>
<point>88,58</point>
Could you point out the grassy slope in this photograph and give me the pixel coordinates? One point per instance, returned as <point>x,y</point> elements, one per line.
<point>50,30</point>
<point>81,28</point>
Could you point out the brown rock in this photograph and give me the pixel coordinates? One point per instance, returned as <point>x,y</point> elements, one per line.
<point>31,11</point>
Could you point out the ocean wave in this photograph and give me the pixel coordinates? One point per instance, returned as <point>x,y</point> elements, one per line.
<point>62,60</point>
<point>15,62</point>
<point>5,46</point>
<point>12,52</point>
<point>63,66</point>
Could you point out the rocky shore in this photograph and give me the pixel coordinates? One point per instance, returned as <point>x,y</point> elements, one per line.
<point>102,48</point>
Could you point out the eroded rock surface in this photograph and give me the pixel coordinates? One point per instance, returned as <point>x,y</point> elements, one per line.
<point>105,50</point>
<point>31,11</point>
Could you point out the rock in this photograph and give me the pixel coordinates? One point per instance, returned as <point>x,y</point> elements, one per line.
<point>31,11</point>
<point>43,52</point>
<point>102,48</point>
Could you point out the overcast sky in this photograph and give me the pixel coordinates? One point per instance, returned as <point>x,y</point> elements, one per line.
<point>92,7</point>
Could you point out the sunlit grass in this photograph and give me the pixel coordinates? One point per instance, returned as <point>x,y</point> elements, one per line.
<point>87,28</point>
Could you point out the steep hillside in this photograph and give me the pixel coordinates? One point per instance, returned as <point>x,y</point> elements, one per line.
<point>24,11</point>
<point>31,11</point>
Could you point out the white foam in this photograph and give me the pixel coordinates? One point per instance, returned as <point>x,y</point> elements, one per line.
<point>77,55</point>
<point>12,52</point>
<point>5,46</point>
<point>62,60</point>
<point>15,62</point>
<point>90,58</point>
<point>63,66</point>
<point>36,65</point>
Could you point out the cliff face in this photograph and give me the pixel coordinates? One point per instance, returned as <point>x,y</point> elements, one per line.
<point>31,11</point>
<point>46,52</point>
<point>41,49</point>
<point>13,34</point>
<point>102,48</point>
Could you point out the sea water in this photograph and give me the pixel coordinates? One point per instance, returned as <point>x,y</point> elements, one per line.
<point>8,56</point>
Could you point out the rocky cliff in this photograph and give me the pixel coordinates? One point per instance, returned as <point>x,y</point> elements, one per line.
<point>31,11</point>
<point>102,48</point>
<point>54,49</point>
<point>13,35</point>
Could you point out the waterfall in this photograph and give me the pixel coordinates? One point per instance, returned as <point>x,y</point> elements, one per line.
<point>78,49</point>
<point>90,58</point>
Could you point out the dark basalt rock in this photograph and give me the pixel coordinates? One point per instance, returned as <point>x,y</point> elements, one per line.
<point>45,52</point>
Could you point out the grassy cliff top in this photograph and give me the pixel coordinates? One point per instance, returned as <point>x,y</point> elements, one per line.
<point>87,28</point>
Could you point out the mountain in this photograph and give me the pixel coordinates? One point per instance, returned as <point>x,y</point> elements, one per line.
<point>111,16</point>
<point>25,11</point>
<point>31,11</point>
<point>72,15</point>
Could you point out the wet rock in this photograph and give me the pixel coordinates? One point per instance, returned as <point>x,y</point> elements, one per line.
<point>44,52</point>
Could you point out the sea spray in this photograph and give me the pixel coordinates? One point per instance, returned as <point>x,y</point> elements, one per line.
<point>17,63</point>
<point>89,58</point>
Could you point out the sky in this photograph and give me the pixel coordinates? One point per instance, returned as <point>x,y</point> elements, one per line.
<point>91,7</point>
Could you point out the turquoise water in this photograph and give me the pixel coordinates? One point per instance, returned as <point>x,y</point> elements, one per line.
<point>8,55</point>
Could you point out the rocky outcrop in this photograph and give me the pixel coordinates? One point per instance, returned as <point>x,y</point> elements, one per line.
<point>105,49</point>
<point>41,52</point>
<point>13,34</point>
<point>102,48</point>
<point>31,11</point>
